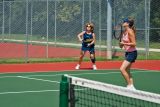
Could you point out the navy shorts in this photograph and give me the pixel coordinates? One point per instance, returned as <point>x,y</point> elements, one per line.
<point>131,56</point>
<point>90,49</point>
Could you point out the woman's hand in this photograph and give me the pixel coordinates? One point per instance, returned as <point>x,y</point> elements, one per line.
<point>121,44</point>
<point>88,45</point>
<point>80,39</point>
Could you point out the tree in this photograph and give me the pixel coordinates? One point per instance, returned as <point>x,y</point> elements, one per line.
<point>155,20</point>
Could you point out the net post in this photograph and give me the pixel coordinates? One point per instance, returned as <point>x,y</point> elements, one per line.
<point>63,95</point>
<point>72,95</point>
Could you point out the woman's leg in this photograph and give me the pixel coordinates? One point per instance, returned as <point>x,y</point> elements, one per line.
<point>93,60</point>
<point>92,57</point>
<point>124,71</point>
<point>82,53</point>
<point>130,75</point>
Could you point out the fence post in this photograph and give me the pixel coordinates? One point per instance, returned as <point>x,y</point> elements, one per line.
<point>26,48</point>
<point>10,18</point>
<point>149,10</point>
<point>55,23</point>
<point>31,21</point>
<point>3,22</point>
<point>47,32</point>
<point>63,95</point>
<point>90,11</point>
<point>147,24</point>
<point>100,34</point>
<point>109,29</point>
<point>82,15</point>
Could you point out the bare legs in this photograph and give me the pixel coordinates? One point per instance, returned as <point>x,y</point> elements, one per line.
<point>82,53</point>
<point>130,76</point>
<point>92,57</point>
<point>125,70</point>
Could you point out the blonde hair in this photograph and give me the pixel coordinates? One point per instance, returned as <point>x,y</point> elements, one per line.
<point>91,25</point>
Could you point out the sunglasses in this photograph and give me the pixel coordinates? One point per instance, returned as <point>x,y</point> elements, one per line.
<point>88,26</point>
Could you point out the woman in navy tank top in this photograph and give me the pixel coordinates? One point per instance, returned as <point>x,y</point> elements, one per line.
<point>88,39</point>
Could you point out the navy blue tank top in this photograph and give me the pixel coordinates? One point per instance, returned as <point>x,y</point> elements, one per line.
<point>87,38</point>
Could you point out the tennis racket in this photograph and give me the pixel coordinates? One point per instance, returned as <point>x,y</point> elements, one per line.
<point>117,35</point>
<point>117,32</point>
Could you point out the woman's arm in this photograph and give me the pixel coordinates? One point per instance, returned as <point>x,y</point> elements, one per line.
<point>94,39</point>
<point>80,38</point>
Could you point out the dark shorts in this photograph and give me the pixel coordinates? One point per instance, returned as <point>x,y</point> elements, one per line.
<point>131,56</point>
<point>90,49</point>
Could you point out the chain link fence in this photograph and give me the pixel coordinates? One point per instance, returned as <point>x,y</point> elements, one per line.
<point>154,24</point>
<point>135,9</point>
<point>145,13</point>
<point>49,28</point>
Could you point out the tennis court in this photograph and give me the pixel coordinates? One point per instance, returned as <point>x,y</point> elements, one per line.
<point>39,44</point>
<point>41,89</point>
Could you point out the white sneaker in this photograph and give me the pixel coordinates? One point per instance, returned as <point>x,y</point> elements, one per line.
<point>77,67</point>
<point>94,67</point>
<point>131,87</point>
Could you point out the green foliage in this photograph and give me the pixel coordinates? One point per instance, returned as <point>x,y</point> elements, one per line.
<point>129,8</point>
<point>69,15</point>
<point>67,12</point>
<point>155,20</point>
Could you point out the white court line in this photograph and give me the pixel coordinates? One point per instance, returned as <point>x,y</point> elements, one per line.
<point>88,74</point>
<point>57,81</point>
<point>8,76</point>
<point>146,70</point>
<point>72,74</point>
<point>49,75</point>
<point>94,73</point>
<point>21,92</point>
<point>61,71</point>
<point>56,75</point>
<point>38,79</point>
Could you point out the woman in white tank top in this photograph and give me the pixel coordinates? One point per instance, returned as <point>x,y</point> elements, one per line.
<point>129,45</point>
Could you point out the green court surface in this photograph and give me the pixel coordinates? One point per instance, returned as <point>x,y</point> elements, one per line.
<point>41,89</point>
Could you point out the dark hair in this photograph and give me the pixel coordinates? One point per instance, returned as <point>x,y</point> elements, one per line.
<point>131,24</point>
<point>130,21</point>
<point>91,25</point>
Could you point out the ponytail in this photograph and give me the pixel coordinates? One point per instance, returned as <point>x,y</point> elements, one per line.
<point>134,29</point>
<point>131,25</point>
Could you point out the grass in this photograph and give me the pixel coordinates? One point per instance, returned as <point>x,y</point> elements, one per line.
<point>61,39</point>
<point>154,45</point>
<point>141,56</point>
<point>45,60</point>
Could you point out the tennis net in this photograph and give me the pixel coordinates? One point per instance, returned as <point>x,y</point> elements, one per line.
<point>79,92</point>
